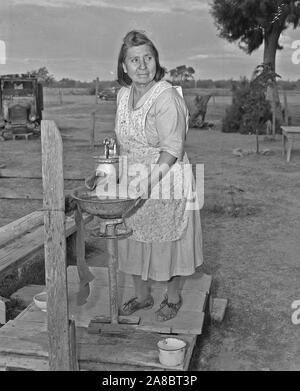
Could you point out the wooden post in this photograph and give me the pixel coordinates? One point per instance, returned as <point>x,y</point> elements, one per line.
<point>92,135</point>
<point>60,352</point>
<point>96,90</point>
<point>60,96</point>
<point>273,112</point>
<point>73,351</point>
<point>286,109</point>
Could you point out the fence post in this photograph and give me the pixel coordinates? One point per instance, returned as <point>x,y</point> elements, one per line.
<point>286,109</point>
<point>92,135</point>
<point>60,96</point>
<point>96,90</point>
<point>61,349</point>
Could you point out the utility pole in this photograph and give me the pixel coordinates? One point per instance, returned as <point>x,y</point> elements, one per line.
<point>96,90</point>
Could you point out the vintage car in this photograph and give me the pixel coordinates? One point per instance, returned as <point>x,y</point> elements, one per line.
<point>21,105</point>
<point>108,94</point>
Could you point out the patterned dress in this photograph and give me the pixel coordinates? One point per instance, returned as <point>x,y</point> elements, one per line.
<point>167,236</point>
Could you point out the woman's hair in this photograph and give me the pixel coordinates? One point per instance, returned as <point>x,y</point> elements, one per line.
<point>136,38</point>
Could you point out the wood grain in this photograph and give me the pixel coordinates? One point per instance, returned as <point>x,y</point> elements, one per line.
<point>20,226</point>
<point>60,352</point>
<point>17,252</point>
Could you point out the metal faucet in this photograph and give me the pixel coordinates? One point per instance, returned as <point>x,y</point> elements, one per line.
<point>106,143</point>
<point>110,144</point>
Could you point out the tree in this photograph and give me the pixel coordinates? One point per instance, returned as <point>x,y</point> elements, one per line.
<point>173,73</point>
<point>256,108</point>
<point>253,23</point>
<point>250,110</point>
<point>43,75</point>
<point>182,73</point>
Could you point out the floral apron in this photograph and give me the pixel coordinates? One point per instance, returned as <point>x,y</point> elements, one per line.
<point>157,220</point>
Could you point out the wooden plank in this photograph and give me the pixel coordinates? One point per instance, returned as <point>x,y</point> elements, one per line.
<point>73,350</point>
<point>18,251</point>
<point>37,174</point>
<point>3,310</point>
<point>34,193</point>
<point>20,226</point>
<point>14,361</point>
<point>135,349</point>
<point>32,314</point>
<point>109,367</point>
<point>26,293</point>
<point>189,353</point>
<point>188,320</point>
<point>60,351</point>
<point>122,319</point>
<point>37,346</point>
<point>154,328</point>
<point>19,189</point>
<point>291,129</point>
<point>98,304</point>
<point>30,332</point>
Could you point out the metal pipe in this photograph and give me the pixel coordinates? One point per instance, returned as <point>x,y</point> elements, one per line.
<point>112,274</point>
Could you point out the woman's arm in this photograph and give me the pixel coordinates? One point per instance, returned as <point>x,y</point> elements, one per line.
<point>171,122</point>
<point>160,169</point>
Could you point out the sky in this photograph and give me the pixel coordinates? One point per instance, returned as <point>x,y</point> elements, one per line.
<point>81,39</point>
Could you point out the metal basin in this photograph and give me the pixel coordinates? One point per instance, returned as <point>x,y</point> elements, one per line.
<point>104,208</point>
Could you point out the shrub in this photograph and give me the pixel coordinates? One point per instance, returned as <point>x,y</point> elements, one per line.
<point>92,90</point>
<point>249,110</point>
<point>232,119</point>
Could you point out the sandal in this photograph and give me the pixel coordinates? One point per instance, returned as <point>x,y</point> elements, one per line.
<point>133,305</point>
<point>168,310</point>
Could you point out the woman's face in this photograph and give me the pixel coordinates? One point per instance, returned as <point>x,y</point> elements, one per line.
<point>140,64</point>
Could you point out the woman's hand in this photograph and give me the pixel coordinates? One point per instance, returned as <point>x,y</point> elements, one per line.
<point>91,181</point>
<point>141,189</point>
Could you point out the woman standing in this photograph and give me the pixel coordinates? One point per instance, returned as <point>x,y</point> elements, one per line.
<point>151,127</point>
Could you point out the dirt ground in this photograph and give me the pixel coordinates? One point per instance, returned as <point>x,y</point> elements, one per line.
<point>251,236</point>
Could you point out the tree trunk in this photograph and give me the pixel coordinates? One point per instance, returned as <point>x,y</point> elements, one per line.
<point>270,49</point>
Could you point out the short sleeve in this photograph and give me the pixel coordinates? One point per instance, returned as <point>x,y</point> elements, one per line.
<point>120,94</point>
<point>171,116</point>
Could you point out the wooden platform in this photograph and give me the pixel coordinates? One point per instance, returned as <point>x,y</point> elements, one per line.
<point>189,319</point>
<point>24,345</point>
<point>24,340</point>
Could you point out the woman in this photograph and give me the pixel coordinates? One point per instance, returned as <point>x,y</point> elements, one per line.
<point>151,126</point>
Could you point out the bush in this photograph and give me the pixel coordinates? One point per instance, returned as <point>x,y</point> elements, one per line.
<point>249,110</point>
<point>232,120</point>
<point>92,90</point>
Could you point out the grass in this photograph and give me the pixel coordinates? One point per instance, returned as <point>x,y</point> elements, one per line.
<point>251,244</point>
<point>32,272</point>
